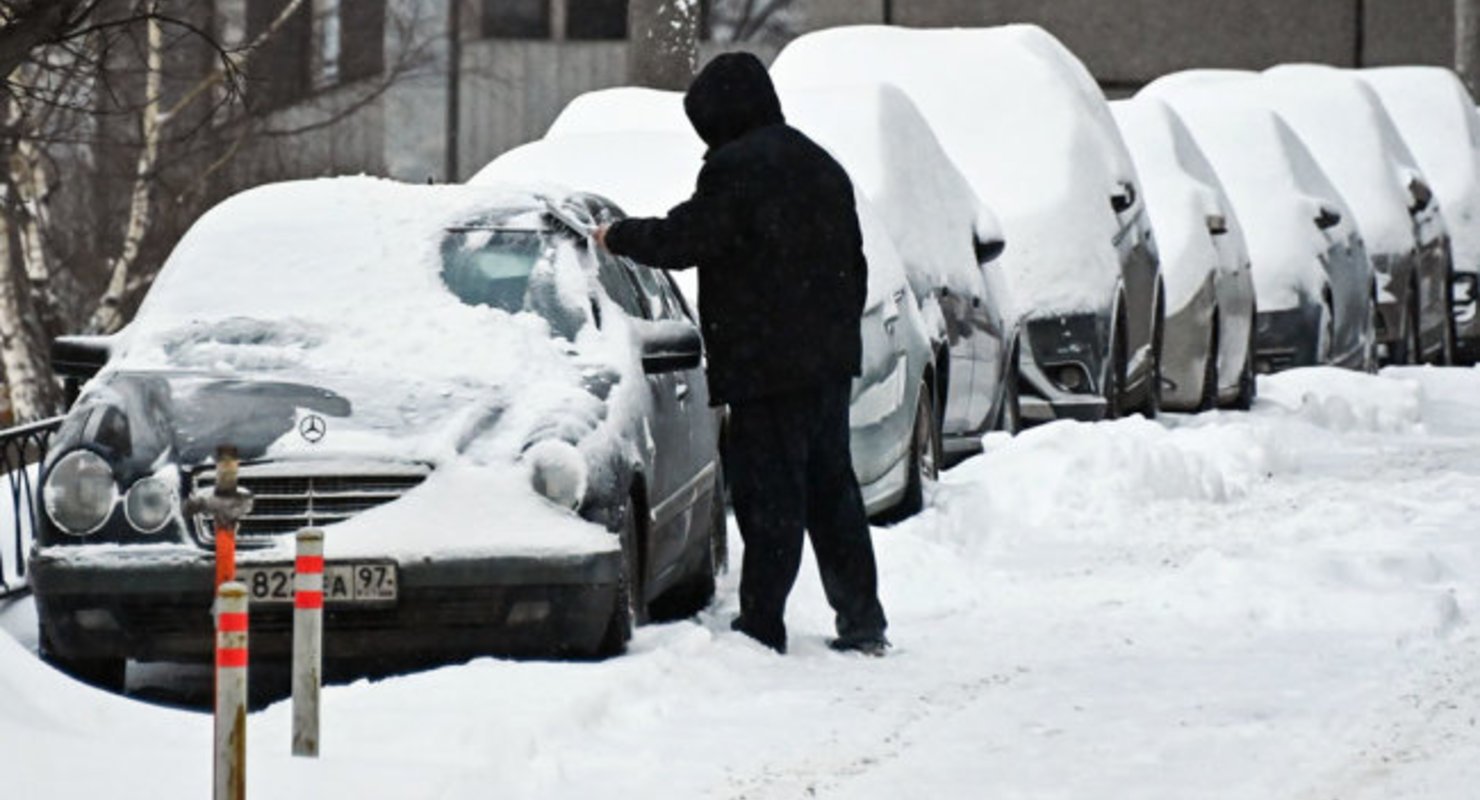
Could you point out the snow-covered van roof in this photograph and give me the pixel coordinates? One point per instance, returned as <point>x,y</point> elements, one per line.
<point>1354,140</point>
<point>1274,182</point>
<point>1182,192</point>
<point>1011,108</point>
<point>1438,120</point>
<point>894,160</point>
<point>625,108</point>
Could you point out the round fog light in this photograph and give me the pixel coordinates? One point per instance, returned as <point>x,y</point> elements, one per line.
<point>149,505</point>
<point>1070,378</point>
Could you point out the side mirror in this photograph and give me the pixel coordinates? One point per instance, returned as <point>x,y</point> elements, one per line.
<point>1328,218</point>
<point>1422,195</point>
<point>79,357</point>
<point>1217,224</point>
<point>988,251</point>
<point>670,347</point>
<point>1124,199</point>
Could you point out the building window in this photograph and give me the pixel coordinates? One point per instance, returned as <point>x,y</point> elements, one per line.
<point>361,28</point>
<point>516,19</point>
<point>281,72</point>
<point>596,19</point>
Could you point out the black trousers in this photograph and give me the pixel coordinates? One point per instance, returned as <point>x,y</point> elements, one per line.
<point>790,469</point>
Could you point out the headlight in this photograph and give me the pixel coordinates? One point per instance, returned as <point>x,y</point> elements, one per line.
<point>149,505</point>
<point>80,493</point>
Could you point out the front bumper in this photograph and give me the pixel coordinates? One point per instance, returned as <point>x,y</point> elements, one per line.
<point>156,606</point>
<point>1062,365</point>
<point>1287,338</point>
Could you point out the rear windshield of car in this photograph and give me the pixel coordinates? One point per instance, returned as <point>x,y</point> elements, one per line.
<point>491,267</point>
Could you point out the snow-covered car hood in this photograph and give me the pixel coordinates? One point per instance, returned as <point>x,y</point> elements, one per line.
<point>1011,108</point>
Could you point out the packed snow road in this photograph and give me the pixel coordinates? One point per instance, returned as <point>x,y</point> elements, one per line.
<point>1263,605</point>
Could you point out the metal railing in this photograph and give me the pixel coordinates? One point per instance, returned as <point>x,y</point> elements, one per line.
<point>20,447</point>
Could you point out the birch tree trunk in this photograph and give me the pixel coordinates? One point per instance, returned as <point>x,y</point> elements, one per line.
<point>1467,43</point>
<point>109,315</point>
<point>34,393</point>
<point>663,43</point>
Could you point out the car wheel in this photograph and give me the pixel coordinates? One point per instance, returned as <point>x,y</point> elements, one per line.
<point>1248,382</point>
<point>1151,403</point>
<point>628,611</point>
<point>924,456</point>
<point>108,674</point>
<point>1010,416</point>
<point>693,593</point>
<point>1210,372</point>
<point>1410,345</point>
<point>1115,381</point>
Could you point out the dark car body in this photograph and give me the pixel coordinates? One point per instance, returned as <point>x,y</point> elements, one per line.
<point>529,502</point>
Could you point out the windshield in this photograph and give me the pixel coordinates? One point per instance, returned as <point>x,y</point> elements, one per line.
<point>485,267</point>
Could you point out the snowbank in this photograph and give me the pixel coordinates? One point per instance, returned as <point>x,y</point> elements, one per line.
<point>1438,120</point>
<point>1182,192</point>
<point>1010,107</point>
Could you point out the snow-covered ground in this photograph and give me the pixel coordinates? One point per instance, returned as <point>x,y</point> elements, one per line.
<point>1263,605</point>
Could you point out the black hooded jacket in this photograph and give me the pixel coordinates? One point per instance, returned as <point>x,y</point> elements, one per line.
<point>774,233</point>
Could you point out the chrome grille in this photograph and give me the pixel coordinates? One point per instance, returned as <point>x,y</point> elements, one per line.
<point>287,497</point>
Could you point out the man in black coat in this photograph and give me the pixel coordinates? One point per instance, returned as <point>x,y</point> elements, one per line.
<point>773,230</point>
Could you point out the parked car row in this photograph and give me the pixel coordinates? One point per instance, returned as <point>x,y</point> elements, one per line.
<point>508,429</point>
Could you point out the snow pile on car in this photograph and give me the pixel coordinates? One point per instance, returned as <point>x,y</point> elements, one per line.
<point>625,108</point>
<point>1182,192</point>
<point>1275,185</point>
<point>1353,139</point>
<point>1010,108</point>
<point>1438,120</point>
<point>894,159</point>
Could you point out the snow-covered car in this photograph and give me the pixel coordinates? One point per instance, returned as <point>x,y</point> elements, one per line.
<point>1313,281</point>
<point>1437,118</point>
<point>947,239</point>
<point>1030,131</point>
<point>504,434</point>
<point>1354,140</point>
<point>1207,357</point>
<point>893,436</point>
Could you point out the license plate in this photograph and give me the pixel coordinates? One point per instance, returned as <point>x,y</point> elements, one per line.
<point>353,582</point>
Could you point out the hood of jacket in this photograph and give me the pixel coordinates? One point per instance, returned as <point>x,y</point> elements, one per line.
<point>732,96</point>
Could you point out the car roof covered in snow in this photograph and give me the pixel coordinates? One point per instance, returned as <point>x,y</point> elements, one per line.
<point>1438,120</point>
<point>1025,124</point>
<point>624,108</point>
<point>1182,191</point>
<point>1276,185</point>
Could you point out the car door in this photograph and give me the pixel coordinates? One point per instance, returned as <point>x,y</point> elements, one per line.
<point>684,432</point>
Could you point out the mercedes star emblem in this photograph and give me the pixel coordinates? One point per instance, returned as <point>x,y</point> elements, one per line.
<point>313,428</point>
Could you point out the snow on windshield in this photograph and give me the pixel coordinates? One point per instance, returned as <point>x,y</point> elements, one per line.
<point>1015,123</point>
<point>894,159</point>
<point>1182,191</point>
<point>1275,186</point>
<point>1438,120</point>
<point>1345,126</point>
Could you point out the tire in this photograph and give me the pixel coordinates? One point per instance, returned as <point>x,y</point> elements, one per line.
<point>925,454</point>
<point>1010,415</point>
<point>1410,346</point>
<point>108,674</point>
<point>1209,401</point>
<point>1248,382</point>
<point>627,610</point>
<point>1115,381</point>
<point>1151,402</point>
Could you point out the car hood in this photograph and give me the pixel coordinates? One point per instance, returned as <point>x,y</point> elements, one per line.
<point>143,420</point>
